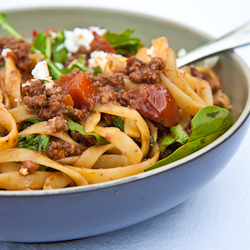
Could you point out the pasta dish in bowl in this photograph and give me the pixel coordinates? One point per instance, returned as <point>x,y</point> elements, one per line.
<point>89,110</point>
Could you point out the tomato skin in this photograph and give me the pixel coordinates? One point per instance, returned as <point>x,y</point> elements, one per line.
<point>154,102</point>
<point>67,100</point>
<point>100,43</point>
<point>80,88</point>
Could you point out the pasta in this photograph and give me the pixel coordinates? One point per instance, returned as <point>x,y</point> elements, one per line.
<point>101,117</point>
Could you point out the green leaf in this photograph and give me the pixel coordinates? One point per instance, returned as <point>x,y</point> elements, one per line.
<point>38,143</point>
<point>202,135</point>
<point>39,44</point>
<point>28,122</point>
<point>73,126</point>
<point>178,135</point>
<point>53,70</point>
<point>97,70</point>
<point>123,42</point>
<point>60,54</point>
<point>118,121</point>
<point>207,121</point>
<point>186,150</point>
<point>166,141</point>
<point>43,144</point>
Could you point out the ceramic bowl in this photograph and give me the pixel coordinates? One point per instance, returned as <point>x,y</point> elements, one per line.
<point>56,215</point>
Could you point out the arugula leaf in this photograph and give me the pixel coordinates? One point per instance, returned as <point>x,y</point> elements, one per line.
<point>118,121</point>
<point>178,135</point>
<point>39,44</point>
<point>123,42</point>
<point>80,65</point>
<point>201,134</point>
<point>59,54</point>
<point>43,144</point>
<point>73,126</point>
<point>38,143</point>
<point>28,122</point>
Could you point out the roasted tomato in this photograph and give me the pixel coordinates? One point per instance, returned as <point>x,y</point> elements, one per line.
<point>80,88</point>
<point>100,43</point>
<point>154,102</point>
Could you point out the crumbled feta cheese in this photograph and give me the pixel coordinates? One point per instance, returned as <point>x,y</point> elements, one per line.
<point>151,51</point>
<point>59,47</point>
<point>59,65</point>
<point>53,34</point>
<point>26,84</point>
<point>77,37</point>
<point>24,171</point>
<point>181,52</point>
<point>5,51</point>
<point>99,31</point>
<point>41,70</point>
<point>98,58</point>
<point>48,84</point>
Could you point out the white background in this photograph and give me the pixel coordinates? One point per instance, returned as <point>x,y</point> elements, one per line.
<point>218,217</point>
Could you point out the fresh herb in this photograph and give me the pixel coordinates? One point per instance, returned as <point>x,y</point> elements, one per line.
<point>59,53</point>
<point>28,122</point>
<point>178,135</point>
<point>80,64</point>
<point>38,143</point>
<point>73,126</point>
<point>207,125</point>
<point>123,42</point>
<point>118,121</point>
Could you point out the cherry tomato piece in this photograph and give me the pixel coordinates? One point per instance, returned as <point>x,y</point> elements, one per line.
<point>100,43</point>
<point>81,89</point>
<point>154,102</point>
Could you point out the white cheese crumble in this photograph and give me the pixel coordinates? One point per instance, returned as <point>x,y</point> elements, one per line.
<point>41,70</point>
<point>59,65</point>
<point>24,171</point>
<point>77,37</point>
<point>151,51</point>
<point>5,51</point>
<point>98,30</point>
<point>26,84</point>
<point>98,58</point>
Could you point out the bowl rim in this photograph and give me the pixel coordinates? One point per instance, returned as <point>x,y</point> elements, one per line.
<point>179,163</point>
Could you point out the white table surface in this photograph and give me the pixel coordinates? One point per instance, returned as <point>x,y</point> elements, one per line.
<point>218,217</point>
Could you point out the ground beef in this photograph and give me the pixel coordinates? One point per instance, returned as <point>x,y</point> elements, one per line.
<point>59,149</point>
<point>20,51</point>
<point>28,167</point>
<point>86,140</point>
<point>58,123</point>
<point>107,95</point>
<point>49,104</point>
<point>140,72</point>
<point>34,88</point>
<point>114,79</point>
<point>214,84</point>
<point>108,118</point>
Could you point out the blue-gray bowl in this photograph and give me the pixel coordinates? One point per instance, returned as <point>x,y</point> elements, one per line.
<point>65,214</point>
